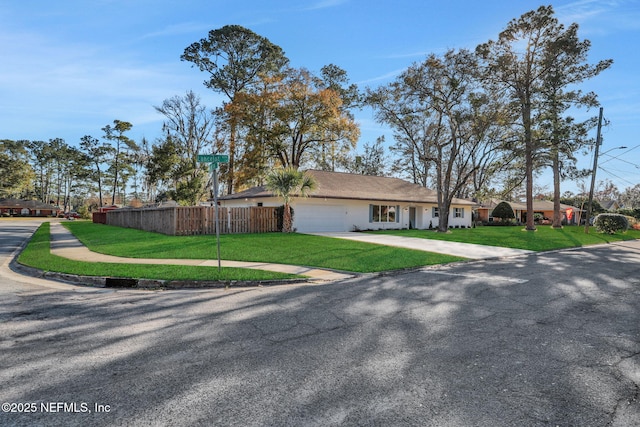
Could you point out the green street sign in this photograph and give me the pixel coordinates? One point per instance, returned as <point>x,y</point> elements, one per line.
<point>213,158</point>
<point>213,166</point>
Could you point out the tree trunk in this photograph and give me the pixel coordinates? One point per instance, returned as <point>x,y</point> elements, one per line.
<point>232,157</point>
<point>557,216</point>
<point>287,223</point>
<point>528,159</point>
<point>443,219</point>
<point>115,174</point>
<point>99,193</point>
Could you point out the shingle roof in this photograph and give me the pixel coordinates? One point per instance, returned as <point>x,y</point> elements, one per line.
<point>538,205</point>
<point>30,204</point>
<point>339,185</point>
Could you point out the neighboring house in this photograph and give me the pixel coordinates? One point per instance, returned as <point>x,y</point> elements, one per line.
<point>15,207</point>
<point>348,202</point>
<point>544,207</point>
<point>610,205</point>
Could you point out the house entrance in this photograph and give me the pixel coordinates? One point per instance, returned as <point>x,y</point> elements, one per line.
<point>412,218</point>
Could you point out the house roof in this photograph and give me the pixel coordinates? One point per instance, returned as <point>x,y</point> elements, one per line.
<point>609,204</point>
<point>340,185</point>
<point>29,204</point>
<point>538,205</point>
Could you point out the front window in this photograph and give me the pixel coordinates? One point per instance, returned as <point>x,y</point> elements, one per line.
<point>383,213</point>
<point>435,212</point>
<point>458,212</point>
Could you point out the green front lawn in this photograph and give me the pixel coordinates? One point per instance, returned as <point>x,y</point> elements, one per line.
<point>279,248</point>
<point>545,238</point>
<point>37,254</point>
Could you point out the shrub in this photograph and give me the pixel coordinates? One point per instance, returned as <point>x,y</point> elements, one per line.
<point>632,221</point>
<point>635,212</point>
<point>503,211</point>
<point>611,223</point>
<point>83,211</point>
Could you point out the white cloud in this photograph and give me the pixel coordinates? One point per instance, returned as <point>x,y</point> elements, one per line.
<point>611,15</point>
<point>178,29</point>
<point>382,77</point>
<point>55,90</point>
<point>323,4</point>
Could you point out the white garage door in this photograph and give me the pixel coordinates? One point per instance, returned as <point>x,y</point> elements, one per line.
<point>318,218</point>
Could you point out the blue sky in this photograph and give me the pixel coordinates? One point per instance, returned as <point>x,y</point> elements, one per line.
<point>70,67</point>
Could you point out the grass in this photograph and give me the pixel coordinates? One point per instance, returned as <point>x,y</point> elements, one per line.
<point>37,254</point>
<point>545,238</point>
<point>280,248</point>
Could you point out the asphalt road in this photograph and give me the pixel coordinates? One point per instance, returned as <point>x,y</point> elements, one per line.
<point>538,340</point>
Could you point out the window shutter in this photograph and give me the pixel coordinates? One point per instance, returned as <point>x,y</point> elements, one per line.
<point>397,213</point>
<point>370,213</point>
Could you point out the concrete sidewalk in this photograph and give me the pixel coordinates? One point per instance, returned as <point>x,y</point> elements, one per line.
<point>66,245</point>
<point>466,250</point>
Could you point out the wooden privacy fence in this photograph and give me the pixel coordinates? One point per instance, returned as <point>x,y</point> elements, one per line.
<point>190,220</point>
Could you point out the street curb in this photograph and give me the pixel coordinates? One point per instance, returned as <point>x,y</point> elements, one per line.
<point>101,281</point>
<point>148,284</point>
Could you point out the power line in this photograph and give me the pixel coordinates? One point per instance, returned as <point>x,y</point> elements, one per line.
<point>616,176</point>
<point>620,155</point>
<point>627,162</point>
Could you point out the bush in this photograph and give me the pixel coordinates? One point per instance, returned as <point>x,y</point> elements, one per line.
<point>503,211</point>
<point>635,213</point>
<point>83,211</point>
<point>611,223</point>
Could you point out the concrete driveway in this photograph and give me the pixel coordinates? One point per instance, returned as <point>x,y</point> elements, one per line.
<point>466,250</point>
<point>549,339</point>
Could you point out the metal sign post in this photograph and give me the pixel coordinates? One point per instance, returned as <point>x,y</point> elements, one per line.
<point>214,160</point>
<point>214,166</point>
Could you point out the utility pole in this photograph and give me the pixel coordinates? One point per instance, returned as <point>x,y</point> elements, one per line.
<point>593,175</point>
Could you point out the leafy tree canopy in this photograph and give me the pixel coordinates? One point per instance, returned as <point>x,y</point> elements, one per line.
<point>504,211</point>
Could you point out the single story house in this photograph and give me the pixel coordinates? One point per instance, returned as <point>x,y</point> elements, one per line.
<point>16,207</point>
<point>571,214</point>
<point>349,202</point>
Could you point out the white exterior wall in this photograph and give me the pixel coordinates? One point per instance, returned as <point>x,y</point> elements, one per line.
<point>317,215</point>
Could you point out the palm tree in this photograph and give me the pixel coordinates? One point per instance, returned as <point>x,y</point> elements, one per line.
<point>287,183</point>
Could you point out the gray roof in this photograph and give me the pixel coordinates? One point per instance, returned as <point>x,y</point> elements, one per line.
<point>538,205</point>
<point>29,204</point>
<point>340,185</point>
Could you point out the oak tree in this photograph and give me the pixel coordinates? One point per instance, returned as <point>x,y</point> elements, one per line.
<point>433,108</point>
<point>297,115</point>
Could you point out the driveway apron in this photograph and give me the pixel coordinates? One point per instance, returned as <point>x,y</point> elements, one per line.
<point>466,250</point>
